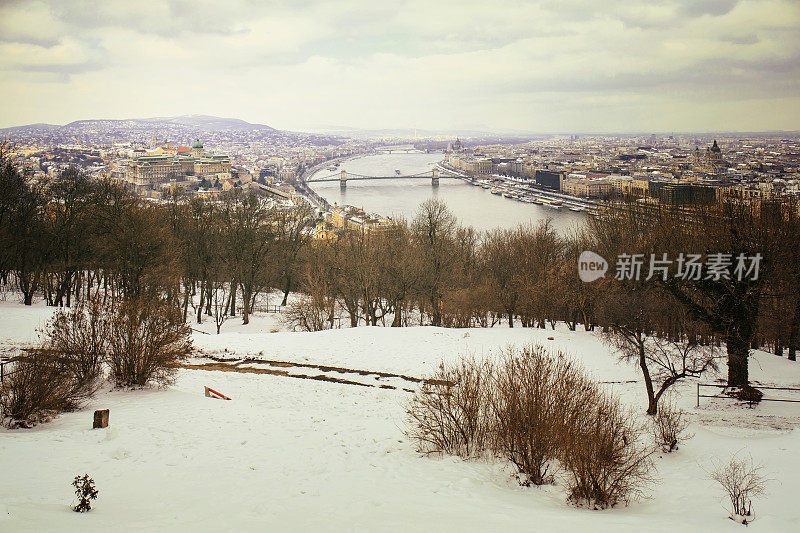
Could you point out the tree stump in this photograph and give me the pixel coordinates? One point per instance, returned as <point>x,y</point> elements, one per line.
<point>100,419</point>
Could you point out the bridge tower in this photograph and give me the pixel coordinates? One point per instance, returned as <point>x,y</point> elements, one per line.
<point>343,180</point>
<point>435,178</point>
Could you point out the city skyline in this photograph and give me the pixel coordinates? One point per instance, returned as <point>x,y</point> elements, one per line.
<point>703,66</point>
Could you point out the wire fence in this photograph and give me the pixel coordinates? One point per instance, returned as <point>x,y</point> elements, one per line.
<point>8,366</point>
<point>267,309</point>
<point>767,397</point>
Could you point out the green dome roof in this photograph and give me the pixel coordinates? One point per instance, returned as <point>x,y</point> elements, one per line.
<point>197,144</point>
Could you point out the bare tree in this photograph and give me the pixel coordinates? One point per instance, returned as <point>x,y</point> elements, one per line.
<point>249,240</point>
<point>434,229</point>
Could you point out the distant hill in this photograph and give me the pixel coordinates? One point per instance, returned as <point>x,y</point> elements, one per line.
<point>211,123</point>
<point>185,122</point>
<point>199,122</point>
<point>32,127</point>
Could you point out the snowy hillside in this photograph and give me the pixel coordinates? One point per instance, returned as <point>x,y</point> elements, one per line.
<point>292,454</point>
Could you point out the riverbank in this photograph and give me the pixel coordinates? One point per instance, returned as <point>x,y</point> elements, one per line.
<point>400,198</point>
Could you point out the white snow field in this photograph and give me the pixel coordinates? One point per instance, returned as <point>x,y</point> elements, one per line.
<point>300,455</point>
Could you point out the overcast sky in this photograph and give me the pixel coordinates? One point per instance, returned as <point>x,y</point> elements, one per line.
<point>549,66</point>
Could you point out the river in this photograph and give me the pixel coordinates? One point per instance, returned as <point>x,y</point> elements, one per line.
<point>472,205</point>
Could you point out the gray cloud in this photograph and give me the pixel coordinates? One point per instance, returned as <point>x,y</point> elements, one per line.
<point>742,39</point>
<point>443,60</point>
<point>716,8</point>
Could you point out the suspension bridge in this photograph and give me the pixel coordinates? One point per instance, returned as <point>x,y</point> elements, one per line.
<point>343,176</point>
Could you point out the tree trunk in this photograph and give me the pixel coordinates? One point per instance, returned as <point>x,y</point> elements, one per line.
<point>738,352</point>
<point>245,305</point>
<point>794,332</point>
<point>209,298</point>
<point>286,289</point>
<point>398,315</point>
<point>232,309</point>
<point>652,406</point>
<point>202,301</point>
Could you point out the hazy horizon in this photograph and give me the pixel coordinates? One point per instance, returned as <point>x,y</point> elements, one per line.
<point>482,129</point>
<point>546,67</point>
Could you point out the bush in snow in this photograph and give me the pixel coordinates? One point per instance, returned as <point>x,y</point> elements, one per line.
<point>669,426</point>
<point>78,337</point>
<point>39,387</point>
<point>742,481</point>
<point>532,395</point>
<point>537,410</point>
<point>604,454</point>
<point>85,491</point>
<point>450,412</point>
<point>308,314</point>
<point>147,339</point>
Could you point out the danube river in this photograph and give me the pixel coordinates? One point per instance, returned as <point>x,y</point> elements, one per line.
<point>472,205</point>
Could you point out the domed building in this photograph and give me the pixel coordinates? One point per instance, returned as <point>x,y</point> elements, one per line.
<point>710,160</point>
<point>151,171</point>
<point>197,148</point>
<point>454,146</point>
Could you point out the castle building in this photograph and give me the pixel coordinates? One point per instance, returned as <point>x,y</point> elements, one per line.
<point>149,172</point>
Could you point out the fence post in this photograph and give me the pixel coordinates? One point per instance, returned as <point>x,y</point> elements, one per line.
<point>698,395</point>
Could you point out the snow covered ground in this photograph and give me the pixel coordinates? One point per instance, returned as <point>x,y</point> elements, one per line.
<point>297,454</point>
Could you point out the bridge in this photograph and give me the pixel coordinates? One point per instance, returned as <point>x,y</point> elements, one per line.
<point>397,150</point>
<point>343,176</point>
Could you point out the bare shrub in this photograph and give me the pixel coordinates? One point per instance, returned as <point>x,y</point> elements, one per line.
<point>606,460</point>
<point>78,338</point>
<point>669,426</point>
<point>537,410</point>
<point>38,388</point>
<point>308,314</point>
<point>531,391</point>
<point>147,339</point>
<point>742,481</point>
<point>449,414</point>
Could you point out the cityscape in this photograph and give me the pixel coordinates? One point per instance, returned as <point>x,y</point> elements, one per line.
<point>451,266</point>
<point>559,171</point>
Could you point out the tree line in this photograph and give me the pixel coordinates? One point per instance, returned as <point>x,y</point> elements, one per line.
<point>73,238</point>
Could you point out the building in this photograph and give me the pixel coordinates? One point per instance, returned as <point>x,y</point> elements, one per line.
<point>549,179</point>
<point>454,146</point>
<point>349,217</point>
<point>630,186</point>
<point>586,185</point>
<point>675,193</point>
<point>710,160</point>
<point>150,172</point>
